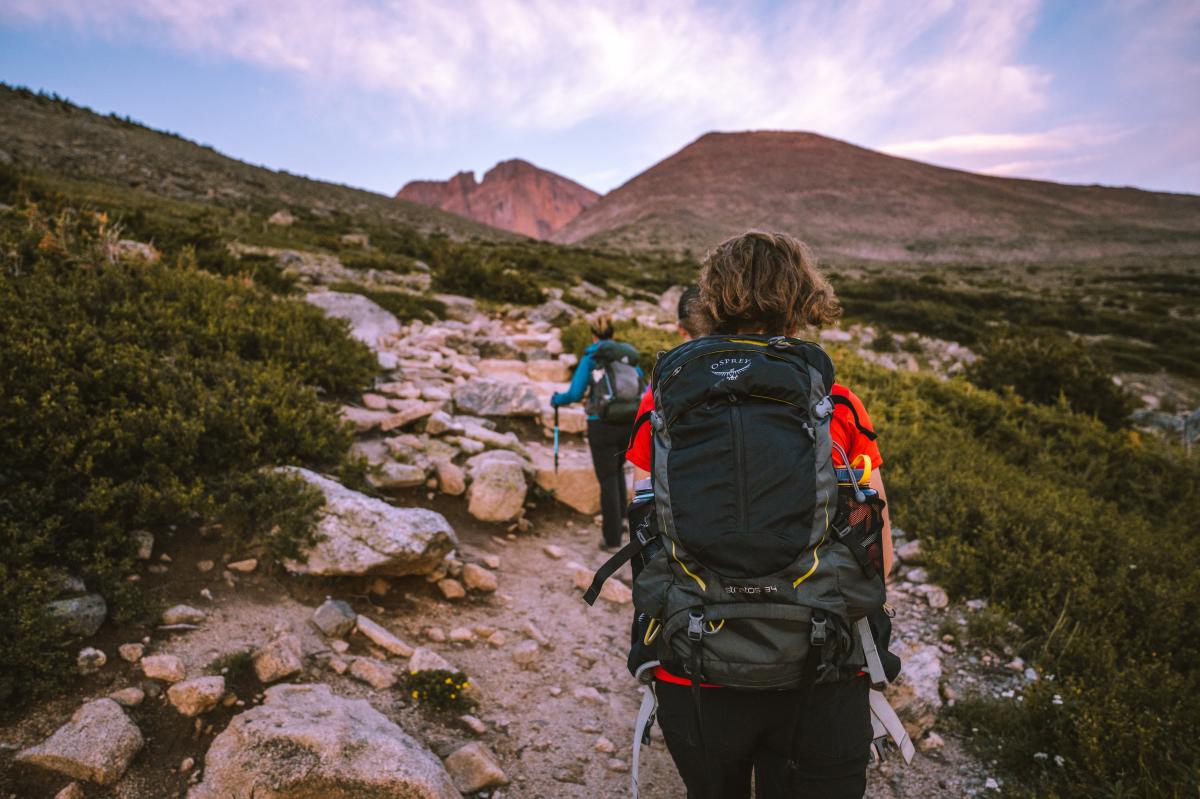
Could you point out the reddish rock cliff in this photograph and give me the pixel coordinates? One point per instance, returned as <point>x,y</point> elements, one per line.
<point>514,195</point>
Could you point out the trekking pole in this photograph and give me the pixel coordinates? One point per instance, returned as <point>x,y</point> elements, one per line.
<point>556,439</point>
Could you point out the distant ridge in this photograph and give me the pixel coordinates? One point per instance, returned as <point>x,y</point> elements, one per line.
<point>51,134</point>
<point>514,195</point>
<point>861,203</point>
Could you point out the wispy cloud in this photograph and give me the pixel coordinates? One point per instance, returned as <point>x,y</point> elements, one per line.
<point>1037,154</point>
<point>1064,138</point>
<point>952,81</point>
<point>550,65</point>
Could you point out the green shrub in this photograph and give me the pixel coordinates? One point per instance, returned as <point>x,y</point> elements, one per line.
<point>884,341</point>
<point>1081,535</point>
<point>473,274</point>
<point>648,341</point>
<point>10,184</point>
<point>577,337</point>
<point>440,689</point>
<point>1047,369</point>
<point>402,305</point>
<point>145,395</point>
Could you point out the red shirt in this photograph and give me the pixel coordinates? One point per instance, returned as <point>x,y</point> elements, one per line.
<point>842,429</point>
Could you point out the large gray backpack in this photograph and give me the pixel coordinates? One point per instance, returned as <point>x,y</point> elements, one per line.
<point>616,383</point>
<point>751,575</point>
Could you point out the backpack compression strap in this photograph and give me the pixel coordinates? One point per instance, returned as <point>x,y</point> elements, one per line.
<point>623,556</point>
<point>866,431</point>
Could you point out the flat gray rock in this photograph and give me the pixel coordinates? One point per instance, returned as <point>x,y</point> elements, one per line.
<point>369,323</point>
<point>497,398</point>
<point>304,741</point>
<point>97,744</point>
<point>363,535</point>
<point>81,615</point>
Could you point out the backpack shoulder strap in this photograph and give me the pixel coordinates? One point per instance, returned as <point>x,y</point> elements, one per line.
<point>637,426</point>
<point>845,402</point>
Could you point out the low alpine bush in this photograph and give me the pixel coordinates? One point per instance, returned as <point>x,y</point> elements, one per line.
<point>1085,538</point>
<point>137,395</point>
<point>1045,369</point>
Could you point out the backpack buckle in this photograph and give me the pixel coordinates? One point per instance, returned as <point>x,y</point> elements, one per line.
<point>823,408</point>
<point>695,629</point>
<point>817,635</point>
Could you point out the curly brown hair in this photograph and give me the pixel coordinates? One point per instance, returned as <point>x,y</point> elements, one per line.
<point>768,283</point>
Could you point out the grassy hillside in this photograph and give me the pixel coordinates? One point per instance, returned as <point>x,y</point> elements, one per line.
<point>854,202</point>
<point>1084,539</point>
<point>46,133</point>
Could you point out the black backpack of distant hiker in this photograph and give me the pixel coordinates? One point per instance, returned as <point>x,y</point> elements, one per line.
<point>616,384</point>
<point>750,571</point>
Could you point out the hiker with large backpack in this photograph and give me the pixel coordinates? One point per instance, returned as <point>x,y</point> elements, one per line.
<point>609,378</point>
<point>761,547</point>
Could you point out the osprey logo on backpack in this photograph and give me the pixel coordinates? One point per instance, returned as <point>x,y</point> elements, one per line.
<point>730,368</point>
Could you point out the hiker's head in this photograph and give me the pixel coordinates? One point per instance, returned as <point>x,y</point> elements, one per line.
<point>694,321</point>
<point>768,283</point>
<point>602,326</point>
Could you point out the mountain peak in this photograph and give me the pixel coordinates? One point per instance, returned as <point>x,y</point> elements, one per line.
<point>514,195</point>
<point>856,202</point>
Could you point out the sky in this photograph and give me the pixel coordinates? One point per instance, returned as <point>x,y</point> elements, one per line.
<point>374,93</point>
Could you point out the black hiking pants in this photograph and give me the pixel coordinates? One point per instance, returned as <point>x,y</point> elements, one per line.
<point>756,731</point>
<point>608,443</point>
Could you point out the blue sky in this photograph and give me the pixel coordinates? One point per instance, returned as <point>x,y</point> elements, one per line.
<point>374,94</point>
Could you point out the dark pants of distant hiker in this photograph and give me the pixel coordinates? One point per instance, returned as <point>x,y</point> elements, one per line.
<point>756,731</point>
<point>608,442</point>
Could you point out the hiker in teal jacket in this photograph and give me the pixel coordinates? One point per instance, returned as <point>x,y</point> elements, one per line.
<point>611,382</point>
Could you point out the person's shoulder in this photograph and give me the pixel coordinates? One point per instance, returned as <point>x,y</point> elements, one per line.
<point>838,390</point>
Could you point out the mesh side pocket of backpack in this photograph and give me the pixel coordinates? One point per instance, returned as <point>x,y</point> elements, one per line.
<point>866,526</point>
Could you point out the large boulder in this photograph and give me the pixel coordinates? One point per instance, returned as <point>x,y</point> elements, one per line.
<point>394,475</point>
<point>460,309</point>
<point>96,744</point>
<point>497,398</point>
<point>574,484</point>
<point>497,491</point>
<point>502,369</point>
<point>555,312</point>
<point>80,615</point>
<point>304,741</point>
<point>312,267</point>
<point>548,370</point>
<point>197,695</point>
<point>571,419</point>
<point>363,535</point>
<point>369,323</point>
